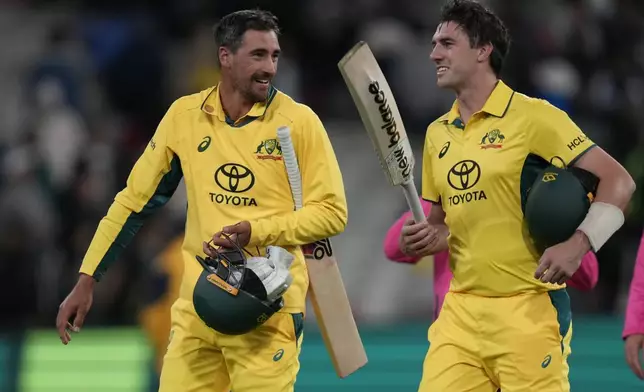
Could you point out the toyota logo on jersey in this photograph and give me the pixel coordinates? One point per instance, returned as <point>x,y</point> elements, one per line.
<point>235,178</point>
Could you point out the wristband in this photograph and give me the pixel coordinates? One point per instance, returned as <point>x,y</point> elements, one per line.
<point>601,222</point>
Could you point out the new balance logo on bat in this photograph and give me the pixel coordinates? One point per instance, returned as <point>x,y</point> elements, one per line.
<point>385,111</point>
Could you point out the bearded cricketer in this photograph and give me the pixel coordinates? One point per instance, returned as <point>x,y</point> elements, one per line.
<point>222,142</point>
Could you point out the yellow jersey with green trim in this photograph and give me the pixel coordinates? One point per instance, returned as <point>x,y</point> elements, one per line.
<point>232,171</point>
<point>480,171</point>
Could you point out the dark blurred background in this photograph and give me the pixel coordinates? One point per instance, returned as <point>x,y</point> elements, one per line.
<point>83,85</point>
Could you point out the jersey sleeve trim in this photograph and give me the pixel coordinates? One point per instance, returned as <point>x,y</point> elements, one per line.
<point>581,154</point>
<point>134,221</point>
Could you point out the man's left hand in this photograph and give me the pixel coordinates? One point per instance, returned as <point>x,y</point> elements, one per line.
<point>238,233</point>
<point>560,262</point>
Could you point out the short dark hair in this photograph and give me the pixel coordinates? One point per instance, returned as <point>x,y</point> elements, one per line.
<point>482,26</point>
<point>229,31</point>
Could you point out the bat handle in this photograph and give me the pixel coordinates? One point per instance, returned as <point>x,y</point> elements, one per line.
<point>411,194</point>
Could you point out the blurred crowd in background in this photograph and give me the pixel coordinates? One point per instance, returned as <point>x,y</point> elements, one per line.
<point>84,85</point>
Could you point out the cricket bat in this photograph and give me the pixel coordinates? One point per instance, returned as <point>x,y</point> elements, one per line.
<point>326,288</point>
<point>381,118</point>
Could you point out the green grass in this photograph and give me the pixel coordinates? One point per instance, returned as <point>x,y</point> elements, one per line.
<point>95,361</point>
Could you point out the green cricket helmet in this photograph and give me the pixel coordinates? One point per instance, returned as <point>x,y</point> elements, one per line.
<point>230,298</point>
<point>557,202</point>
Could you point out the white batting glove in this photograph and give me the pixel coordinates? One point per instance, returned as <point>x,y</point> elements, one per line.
<point>273,271</point>
<point>280,256</point>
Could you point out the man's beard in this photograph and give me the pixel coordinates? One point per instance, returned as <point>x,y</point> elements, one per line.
<point>247,90</point>
<point>254,96</point>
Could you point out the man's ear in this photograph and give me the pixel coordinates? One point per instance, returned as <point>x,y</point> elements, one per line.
<point>224,56</point>
<point>485,51</point>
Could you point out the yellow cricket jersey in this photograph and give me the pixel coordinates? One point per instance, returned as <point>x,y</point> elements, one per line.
<point>477,172</point>
<point>233,171</point>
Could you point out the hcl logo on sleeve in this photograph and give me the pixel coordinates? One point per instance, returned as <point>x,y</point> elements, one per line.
<point>576,142</point>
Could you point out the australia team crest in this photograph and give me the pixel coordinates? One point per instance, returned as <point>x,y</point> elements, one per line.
<point>269,149</point>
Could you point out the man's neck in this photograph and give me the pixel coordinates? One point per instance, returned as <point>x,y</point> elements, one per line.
<point>233,103</point>
<point>473,96</point>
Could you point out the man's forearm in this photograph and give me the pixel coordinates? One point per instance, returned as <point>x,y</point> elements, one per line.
<point>113,234</point>
<point>616,190</point>
<point>606,213</point>
<point>312,223</point>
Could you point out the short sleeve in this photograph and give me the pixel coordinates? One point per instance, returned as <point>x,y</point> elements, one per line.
<point>429,190</point>
<point>555,135</point>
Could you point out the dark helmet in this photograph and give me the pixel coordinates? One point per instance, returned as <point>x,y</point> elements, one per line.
<point>229,297</point>
<point>557,202</point>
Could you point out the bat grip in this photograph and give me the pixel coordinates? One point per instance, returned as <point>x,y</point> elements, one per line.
<point>413,201</point>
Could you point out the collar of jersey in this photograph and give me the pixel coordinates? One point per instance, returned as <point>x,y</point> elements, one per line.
<point>212,105</point>
<point>497,104</point>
